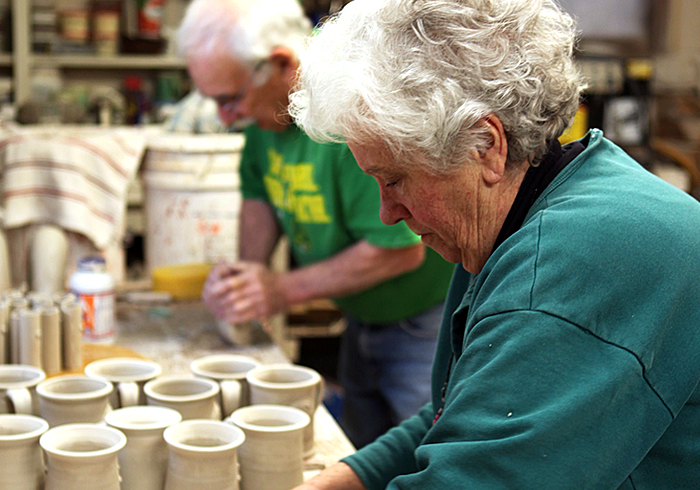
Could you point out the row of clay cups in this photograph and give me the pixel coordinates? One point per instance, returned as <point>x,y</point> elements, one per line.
<point>41,331</point>
<point>218,385</point>
<point>218,381</point>
<point>126,451</point>
<point>244,382</point>
<point>260,445</point>
<point>151,448</point>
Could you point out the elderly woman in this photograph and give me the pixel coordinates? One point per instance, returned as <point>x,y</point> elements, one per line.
<point>569,355</point>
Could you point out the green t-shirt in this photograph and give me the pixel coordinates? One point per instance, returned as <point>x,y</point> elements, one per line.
<point>325,203</point>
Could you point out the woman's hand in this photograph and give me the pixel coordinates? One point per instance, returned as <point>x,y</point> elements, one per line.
<point>337,477</point>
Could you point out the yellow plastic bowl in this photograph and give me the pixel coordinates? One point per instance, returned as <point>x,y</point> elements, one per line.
<point>182,281</point>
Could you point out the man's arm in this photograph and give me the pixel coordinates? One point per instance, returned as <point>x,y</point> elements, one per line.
<point>253,291</point>
<point>358,267</point>
<point>258,231</point>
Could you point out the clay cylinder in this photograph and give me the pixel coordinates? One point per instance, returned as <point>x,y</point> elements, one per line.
<point>71,334</point>
<point>30,338</point>
<point>17,304</point>
<point>4,319</point>
<point>51,341</point>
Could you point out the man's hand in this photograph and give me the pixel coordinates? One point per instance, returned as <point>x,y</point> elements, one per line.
<point>243,291</point>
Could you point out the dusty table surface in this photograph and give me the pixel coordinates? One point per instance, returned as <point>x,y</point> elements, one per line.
<point>174,334</point>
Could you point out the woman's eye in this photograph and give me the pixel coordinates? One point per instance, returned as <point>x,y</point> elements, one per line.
<point>390,184</point>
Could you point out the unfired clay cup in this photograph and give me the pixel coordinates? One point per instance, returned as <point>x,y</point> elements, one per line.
<point>82,457</point>
<point>271,457</point>
<point>18,388</point>
<point>21,461</point>
<point>229,371</point>
<point>291,385</point>
<point>203,454</point>
<point>194,398</point>
<point>74,399</point>
<point>128,375</point>
<point>144,460</point>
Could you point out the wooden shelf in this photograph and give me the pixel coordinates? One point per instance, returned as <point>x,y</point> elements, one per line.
<point>156,62</point>
<point>5,59</point>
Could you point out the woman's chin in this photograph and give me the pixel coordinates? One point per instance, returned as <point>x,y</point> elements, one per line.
<point>453,255</point>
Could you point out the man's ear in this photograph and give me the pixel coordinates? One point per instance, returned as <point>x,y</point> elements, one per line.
<point>285,62</point>
<point>493,159</point>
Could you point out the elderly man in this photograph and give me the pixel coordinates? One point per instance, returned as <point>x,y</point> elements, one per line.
<point>569,355</point>
<point>243,54</point>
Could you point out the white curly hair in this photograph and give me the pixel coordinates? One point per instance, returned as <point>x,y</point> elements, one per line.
<point>420,74</point>
<point>249,29</point>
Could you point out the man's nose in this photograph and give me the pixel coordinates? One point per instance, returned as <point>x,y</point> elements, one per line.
<point>228,116</point>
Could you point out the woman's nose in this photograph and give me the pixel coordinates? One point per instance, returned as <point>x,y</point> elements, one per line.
<point>392,212</point>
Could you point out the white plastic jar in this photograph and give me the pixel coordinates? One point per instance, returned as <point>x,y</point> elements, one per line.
<point>94,288</point>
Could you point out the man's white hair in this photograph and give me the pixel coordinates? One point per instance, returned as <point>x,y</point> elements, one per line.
<point>248,29</point>
<point>419,74</point>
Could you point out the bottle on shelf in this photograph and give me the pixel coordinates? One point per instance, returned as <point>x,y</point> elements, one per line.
<point>135,111</point>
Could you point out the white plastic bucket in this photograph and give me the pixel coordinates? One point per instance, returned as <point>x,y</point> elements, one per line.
<point>192,198</point>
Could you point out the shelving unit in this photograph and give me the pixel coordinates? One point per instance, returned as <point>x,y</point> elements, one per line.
<point>22,60</point>
<point>141,62</point>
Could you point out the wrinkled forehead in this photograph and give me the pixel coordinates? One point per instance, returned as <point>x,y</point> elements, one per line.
<point>378,158</point>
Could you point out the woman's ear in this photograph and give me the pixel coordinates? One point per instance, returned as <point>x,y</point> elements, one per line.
<point>493,159</point>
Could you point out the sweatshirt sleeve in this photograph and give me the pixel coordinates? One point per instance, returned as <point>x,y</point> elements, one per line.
<point>393,453</point>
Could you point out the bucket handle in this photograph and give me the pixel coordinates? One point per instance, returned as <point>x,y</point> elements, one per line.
<point>206,168</point>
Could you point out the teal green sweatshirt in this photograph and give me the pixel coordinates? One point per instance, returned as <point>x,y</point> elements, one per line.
<point>575,352</point>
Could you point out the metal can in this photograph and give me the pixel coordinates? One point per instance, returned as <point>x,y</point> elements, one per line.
<point>94,288</point>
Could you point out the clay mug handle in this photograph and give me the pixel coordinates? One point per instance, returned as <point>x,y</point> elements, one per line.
<point>321,390</point>
<point>128,394</point>
<point>22,400</point>
<point>310,404</point>
<point>230,396</point>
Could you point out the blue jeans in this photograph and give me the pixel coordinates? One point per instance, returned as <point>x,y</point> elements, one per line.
<point>385,373</point>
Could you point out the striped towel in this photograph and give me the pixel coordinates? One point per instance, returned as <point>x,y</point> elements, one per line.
<point>75,179</point>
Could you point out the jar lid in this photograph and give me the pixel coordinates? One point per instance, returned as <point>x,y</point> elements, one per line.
<point>92,264</point>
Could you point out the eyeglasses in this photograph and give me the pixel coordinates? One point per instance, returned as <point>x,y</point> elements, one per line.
<point>229,102</point>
